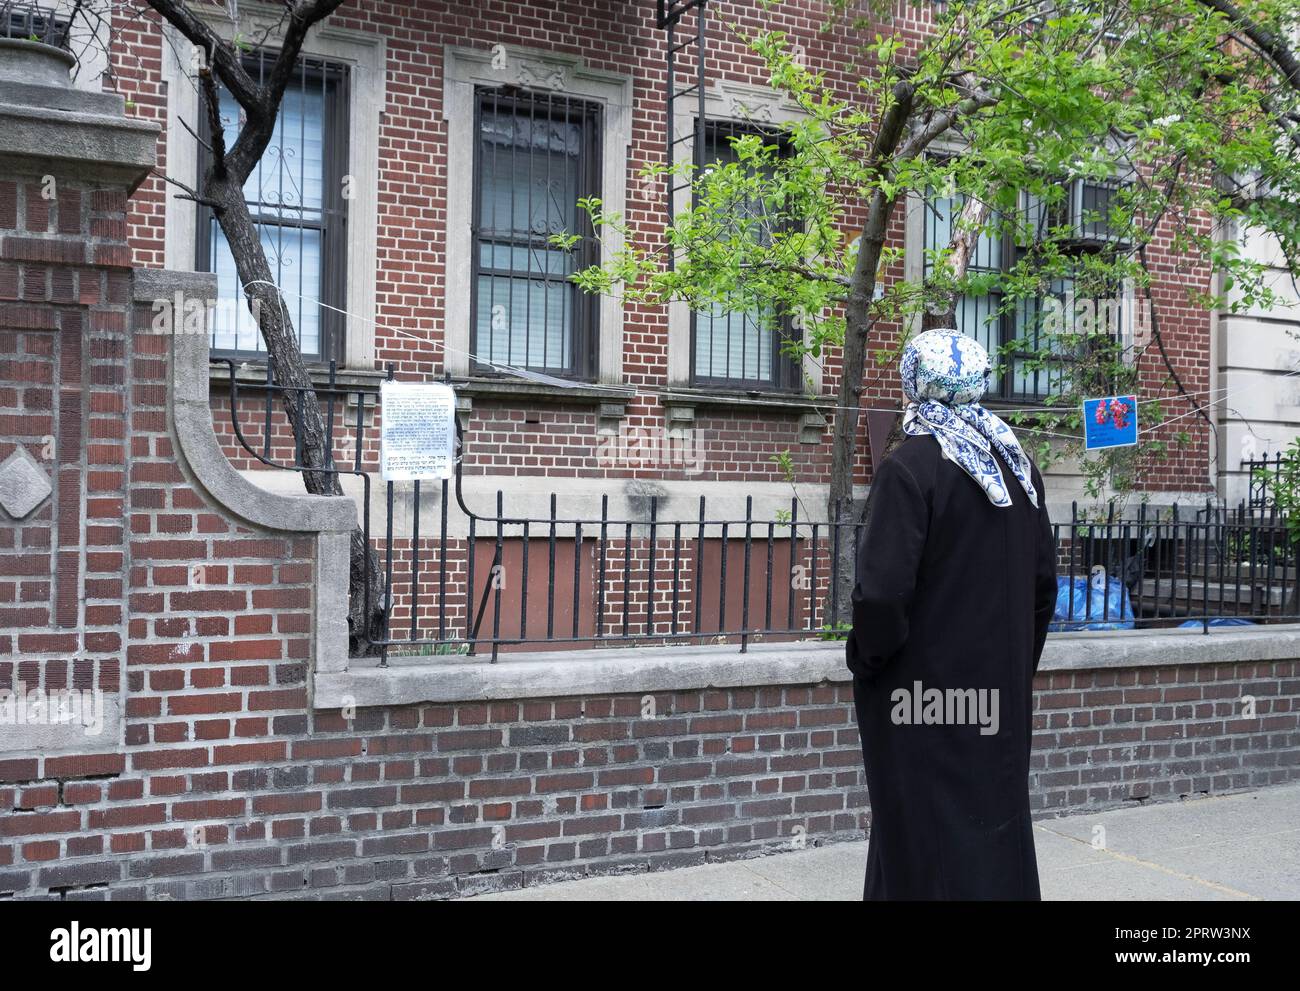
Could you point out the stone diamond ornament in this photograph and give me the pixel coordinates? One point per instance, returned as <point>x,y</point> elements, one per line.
<point>24,485</point>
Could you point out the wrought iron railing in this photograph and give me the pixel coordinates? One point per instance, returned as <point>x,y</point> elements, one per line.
<point>1262,474</point>
<point>493,580</point>
<point>1177,567</point>
<point>34,22</point>
<point>601,579</point>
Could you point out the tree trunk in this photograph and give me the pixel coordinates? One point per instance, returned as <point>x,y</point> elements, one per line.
<point>222,188</point>
<point>365,584</point>
<point>857,328</point>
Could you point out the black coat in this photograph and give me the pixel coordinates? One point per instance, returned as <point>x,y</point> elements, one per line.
<point>955,593</point>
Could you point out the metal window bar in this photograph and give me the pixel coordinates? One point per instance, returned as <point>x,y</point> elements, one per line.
<point>524,310</point>
<point>298,206</point>
<point>748,327</point>
<point>34,22</point>
<point>979,316</point>
<point>976,316</point>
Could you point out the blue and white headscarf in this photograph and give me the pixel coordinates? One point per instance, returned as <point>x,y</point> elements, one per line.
<point>944,376</point>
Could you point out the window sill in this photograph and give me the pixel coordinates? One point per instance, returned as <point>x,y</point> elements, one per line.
<point>507,388</point>
<point>610,400</point>
<point>813,411</point>
<point>754,399</point>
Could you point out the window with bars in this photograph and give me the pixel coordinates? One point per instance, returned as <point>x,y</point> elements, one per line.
<point>740,349</point>
<point>1025,330</point>
<point>535,156</point>
<point>296,199</point>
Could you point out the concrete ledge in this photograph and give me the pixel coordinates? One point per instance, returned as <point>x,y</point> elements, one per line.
<point>32,94</point>
<point>618,670</point>
<point>1152,648</point>
<point>632,670</point>
<point>89,145</point>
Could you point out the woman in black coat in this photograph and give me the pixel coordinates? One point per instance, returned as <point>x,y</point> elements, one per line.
<point>956,583</point>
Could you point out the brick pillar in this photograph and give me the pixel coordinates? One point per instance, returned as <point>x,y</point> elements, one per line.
<point>68,161</point>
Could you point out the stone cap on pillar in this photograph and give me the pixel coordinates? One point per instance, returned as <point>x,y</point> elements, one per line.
<point>47,126</point>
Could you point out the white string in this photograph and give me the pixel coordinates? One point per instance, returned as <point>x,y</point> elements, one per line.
<point>1210,405</point>
<point>532,376</point>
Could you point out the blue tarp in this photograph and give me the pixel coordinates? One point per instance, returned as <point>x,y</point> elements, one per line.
<point>1219,621</point>
<point>1110,607</point>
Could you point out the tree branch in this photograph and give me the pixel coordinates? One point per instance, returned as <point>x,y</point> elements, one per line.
<point>221,56</point>
<point>213,106</point>
<point>190,193</point>
<point>1276,50</point>
<point>260,125</point>
<point>920,138</point>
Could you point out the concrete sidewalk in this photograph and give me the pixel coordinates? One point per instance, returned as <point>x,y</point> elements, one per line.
<point>1244,846</point>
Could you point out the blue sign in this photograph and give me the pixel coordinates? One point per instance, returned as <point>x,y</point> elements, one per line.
<point>1110,421</point>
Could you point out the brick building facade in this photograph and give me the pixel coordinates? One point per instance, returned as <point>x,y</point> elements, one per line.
<point>414,80</point>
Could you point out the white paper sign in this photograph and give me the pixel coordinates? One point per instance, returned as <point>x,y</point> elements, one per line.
<point>418,439</point>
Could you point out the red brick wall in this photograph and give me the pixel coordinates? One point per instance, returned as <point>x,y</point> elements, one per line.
<point>1110,737</point>
<point>441,800</point>
<point>432,801</point>
<point>64,371</point>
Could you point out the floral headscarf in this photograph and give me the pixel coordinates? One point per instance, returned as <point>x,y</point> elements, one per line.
<point>944,374</point>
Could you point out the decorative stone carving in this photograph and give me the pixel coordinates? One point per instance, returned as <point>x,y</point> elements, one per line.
<point>24,485</point>
<point>536,74</point>
<point>744,110</point>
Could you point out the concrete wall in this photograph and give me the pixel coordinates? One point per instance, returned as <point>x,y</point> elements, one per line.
<point>1257,365</point>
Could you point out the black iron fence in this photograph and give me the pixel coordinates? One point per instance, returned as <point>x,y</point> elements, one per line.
<point>1262,475</point>
<point>1180,566</point>
<point>458,579</point>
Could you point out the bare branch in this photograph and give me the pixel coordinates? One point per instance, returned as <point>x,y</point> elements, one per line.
<point>195,136</point>
<point>213,105</point>
<point>190,193</point>
<point>260,125</point>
